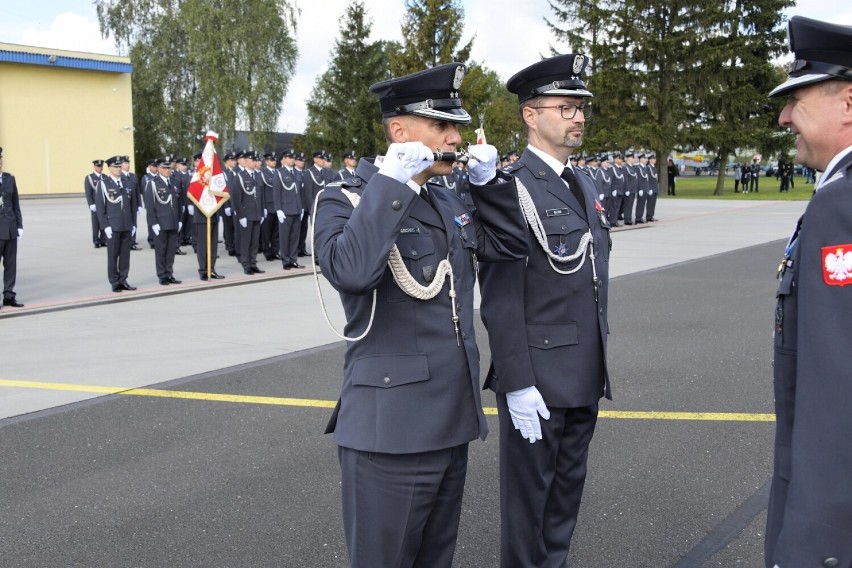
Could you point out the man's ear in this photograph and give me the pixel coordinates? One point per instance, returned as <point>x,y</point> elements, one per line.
<point>398,129</point>
<point>528,115</point>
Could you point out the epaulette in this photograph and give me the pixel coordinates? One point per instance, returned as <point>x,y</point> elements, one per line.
<point>512,167</point>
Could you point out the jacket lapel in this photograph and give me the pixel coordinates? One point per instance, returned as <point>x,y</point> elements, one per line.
<point>555,185</point>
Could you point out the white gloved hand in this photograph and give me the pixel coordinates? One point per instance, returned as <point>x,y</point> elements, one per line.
<point>525,406</point>
<point>227,211</point>
<point>20,234</point>
<point>182,209</point>
<point>156,229</point>
<point>133,232</point>
<point>614,193</point>
<point>650,193</point>
<point>302,215</point>
<point>626,193</point>
<point>601,197</point>
<point>243,223</point>
<point>92,207</point>
<point>180,226</point>
<point>482,167</point>
<point>265,213</point>
<point>280,216</point>
<point>641,193</point>
<point>404,160</point>
<point>191,210</point>
<point>139,210</point>
<point>108,232</point>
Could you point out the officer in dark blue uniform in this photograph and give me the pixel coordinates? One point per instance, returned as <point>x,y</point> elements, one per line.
<point>546,317</point>
<point>618,186</point>
<point>116,205</point>
<point>90,185</point>
<point>410,402</point>
<point>809,522</point>
<point>653,186</point>
<point>162,207</point>
<point>350,161</point>
<point>230,163</point>
<point>11,229</point>
<point>288,210</point>
<point>247,200</point>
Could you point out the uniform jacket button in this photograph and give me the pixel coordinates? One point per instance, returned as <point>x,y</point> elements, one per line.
<point>547,342</point>
<point>386,380</point>
<point>397,205</point>
<point>831,563</point>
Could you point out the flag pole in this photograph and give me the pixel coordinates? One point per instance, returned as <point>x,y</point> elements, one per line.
<point>209,260</point>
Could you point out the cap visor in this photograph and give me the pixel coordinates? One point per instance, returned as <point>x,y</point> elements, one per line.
<point>458,115</point>
<point>796,82</point>
<point>567,93</point>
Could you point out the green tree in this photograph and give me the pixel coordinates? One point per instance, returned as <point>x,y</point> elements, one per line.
<point>342,112</point>
<point>198,64</point>
<point>488,101</point>
<point>431,32</point>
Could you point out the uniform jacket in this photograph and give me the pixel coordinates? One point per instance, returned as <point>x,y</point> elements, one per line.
<point>618,179</point>
<point>810,509</point>
<point>267,176</point>
<point>116,205</point>
<point>90,185</point>
<point>653,180</point>
<point>313,181</point>
<point>603,182</point>
<point>247,196</point>
<point>10,211</point>
<point>408,386</point>
<point>642,177</point>
<point>544,328</point>
<point>285,193</point>
<point>162,205</point>
<point>343,174</point>
<point>631,179</point>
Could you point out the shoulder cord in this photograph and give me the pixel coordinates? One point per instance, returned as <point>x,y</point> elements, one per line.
<point>534,222</point>
<point>105,191</point>
<point>401,276</point>
<point>643,173</point>
<point>247,192</point>
<point>284,185</point>
<point>616,174</point>
<point>631,171</point>
<point>157,194</point>
<point>604,176</point>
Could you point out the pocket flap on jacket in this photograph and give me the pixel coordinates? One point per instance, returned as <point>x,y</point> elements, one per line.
<point>388,371</point>
<point>550,335</point>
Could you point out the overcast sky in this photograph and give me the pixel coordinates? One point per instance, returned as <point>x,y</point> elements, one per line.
<point>509,34</point>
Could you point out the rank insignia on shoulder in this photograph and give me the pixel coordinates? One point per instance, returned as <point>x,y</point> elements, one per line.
<point>837,265</point>
<point>561,249</point>
<point>463,219</point>
<point>557,212</point>
<point>409,231</point>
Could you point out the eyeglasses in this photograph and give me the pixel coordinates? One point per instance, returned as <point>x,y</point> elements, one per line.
<point>570,111</point>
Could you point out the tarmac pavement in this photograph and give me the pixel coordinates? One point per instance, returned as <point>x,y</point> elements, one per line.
<point>94,479</point>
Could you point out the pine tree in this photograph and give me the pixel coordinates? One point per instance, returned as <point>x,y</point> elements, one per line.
<point>431,32</point>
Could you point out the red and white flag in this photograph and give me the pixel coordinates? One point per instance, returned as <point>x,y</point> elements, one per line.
<point>480,135</point>
<point>208,189</point>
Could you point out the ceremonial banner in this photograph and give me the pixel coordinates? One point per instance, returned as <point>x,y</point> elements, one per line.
<point>208,189</point>
<point>480,135</point>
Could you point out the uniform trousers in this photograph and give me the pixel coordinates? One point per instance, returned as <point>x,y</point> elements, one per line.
<point>303,232</point>
<point>402,510</point>
<point>288,238</point>
<point>269,240</point>
<point>641,200</point>
<point>235,223</point>
<point>249,241</point>
<point>541,486</point>
<point>165,245</point>
<point>652,205</point>
<point>98,237</point>
<point>201,244</point>
<point>613,208</point>
<point>228,233</point>
<point>9,256</point>
<point>118,257</point>
<point>627,207</point>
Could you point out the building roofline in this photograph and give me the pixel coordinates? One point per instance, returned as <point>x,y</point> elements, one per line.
<point>50,57</point>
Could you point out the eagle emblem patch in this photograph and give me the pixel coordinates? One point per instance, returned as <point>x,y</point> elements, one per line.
<point>837,265</point>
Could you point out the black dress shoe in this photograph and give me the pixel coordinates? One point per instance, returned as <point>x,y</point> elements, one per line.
<point>248,271</point>
<point>164,281</point>
<point>232,253</point>
<point>628,222</point>
<point>639,222</point>
<point>303,253</point>
<point>126,286</point>
<point>257,270</point>
<point>117,288</point>
<point>135,247</point>
<point>288,266</point>
<point>652,218</point>
<point>178,251</point>
<point>98,245</point>
<point>12,302</point>
<point>173,280</point>
<point>296,265</point>
<point>202,276</point>
<point>216,276</point>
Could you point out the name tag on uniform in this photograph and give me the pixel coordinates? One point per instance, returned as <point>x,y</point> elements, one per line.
<point>557,212</point>
<point>409,231</point>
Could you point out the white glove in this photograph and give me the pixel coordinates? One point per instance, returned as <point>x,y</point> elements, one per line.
<point>139,210</point>
<point>183,209</point>
<point>191,210</point>
<point>108,232</point>
<point>482,167</point>
<point>302,215</point>
<point>404,160</point>
<point>601,197</point>
<point>641,193</point>
<point>626,193</point>
<point>156,229</point>
<point>180,226</point>
<point>20,234</point>
<point>524,407</point>
<point>265,213</point>
<point>133,232</point>
<point>92,207</point>
<point>650,193</point>
<point>614,193</point>
<point>280,216</point>
<point>227,211</point>
<point>243,223</point>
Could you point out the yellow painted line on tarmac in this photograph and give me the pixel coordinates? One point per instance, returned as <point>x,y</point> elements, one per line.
<point>313,403</point>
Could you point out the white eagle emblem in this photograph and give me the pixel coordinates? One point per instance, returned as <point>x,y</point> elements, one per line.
<point>579,62</point>
<point>458,77</point>
<point>838,265</point>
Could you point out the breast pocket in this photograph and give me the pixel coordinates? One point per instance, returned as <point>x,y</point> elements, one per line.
<point>418,255</point>
<point>564,233</point>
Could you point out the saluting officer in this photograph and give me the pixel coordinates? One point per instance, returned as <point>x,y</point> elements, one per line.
<point>410,401</point>
<point>90,186</point>
<point>809,521</point>
<point>162,207</point>
<point>288,210</point>
<point>546,317</point>
<point>247,199</point>
<point>116,206</point>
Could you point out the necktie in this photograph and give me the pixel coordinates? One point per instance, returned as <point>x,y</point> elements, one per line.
<point>568,175</point>
<point>425,196</point>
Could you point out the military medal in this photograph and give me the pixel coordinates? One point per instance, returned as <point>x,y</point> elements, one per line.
<point>561,249</point>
